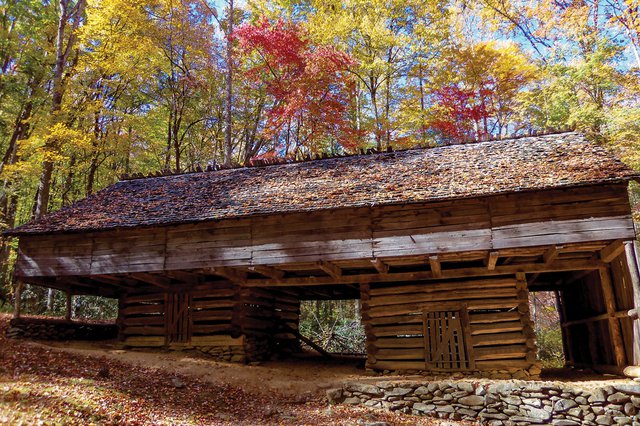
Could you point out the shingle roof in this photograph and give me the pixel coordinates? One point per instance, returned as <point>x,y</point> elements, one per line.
<point>420,175</point>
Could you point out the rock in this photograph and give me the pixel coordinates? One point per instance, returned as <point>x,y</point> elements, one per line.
<point>373,403</point>
<point>618,398</point>
<point>622,421</point>
<point>467,412</point>
<point>365,388</point>
<point>422,390</point>
<point>630,409</point>
<point>563,405</point>
<point>472,400</point>
<point>481,391</point>
<point>334,396</point>
<point>494,416</point>
<point>604,420</point>
<point>445,409</point>
<point>538,414</point>
<point>532,402</point>
<point>398,392</point>
<point>633,389</point>
<point>177,383</point>
<point>465,386</point>
<point>425,408</point>
<point>575,412</point>
<point>564,422</point>
<point>512,400</point>
<point>598,396</point>
<point>354,400</point>
<point>377,423</point>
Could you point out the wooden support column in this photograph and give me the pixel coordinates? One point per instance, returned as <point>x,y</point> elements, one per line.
<point>17,299</point>
<point>566,330</point>
<point>365,297</point>
<point>614,325</point>
<point>632,263</point>
<point>525,317</point>
<point>68,305</point>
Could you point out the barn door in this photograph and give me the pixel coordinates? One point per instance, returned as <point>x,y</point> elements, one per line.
<point>178,317</point>
<point>445,345</point>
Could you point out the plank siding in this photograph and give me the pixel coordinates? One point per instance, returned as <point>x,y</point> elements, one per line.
<point>557,217</point>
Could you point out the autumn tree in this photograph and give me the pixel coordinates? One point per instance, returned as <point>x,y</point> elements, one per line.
<point>308,86</point>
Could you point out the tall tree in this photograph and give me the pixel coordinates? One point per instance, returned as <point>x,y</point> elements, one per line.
<point>70,17</point>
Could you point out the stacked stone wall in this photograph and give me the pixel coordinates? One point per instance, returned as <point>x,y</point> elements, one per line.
<point>55,329</point>
<point>510,403</point>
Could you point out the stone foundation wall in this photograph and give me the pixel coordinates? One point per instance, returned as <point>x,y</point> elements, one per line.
<point>510,402</point>
<point>54,329</point>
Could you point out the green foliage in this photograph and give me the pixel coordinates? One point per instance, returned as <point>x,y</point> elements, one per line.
<point>334,325</point>
<point>41,301</point>
<point>549,342</point>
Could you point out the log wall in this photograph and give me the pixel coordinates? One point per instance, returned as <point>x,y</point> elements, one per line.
<point>222,320</point>
<point>496,331</point>
<point>515,220</point>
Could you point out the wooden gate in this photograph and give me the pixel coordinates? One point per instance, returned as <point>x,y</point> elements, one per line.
<point>445,334</point>
<point>178,317</point>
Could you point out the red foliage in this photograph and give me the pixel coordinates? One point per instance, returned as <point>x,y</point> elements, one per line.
<point>309,84</point>
<point>464,112</point>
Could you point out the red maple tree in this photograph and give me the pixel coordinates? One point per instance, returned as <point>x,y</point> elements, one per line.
<point>463,113</point>
<point>309,86</point>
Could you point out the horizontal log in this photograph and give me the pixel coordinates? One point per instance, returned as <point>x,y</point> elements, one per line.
<point>144,330</point>
<point>498,339</point>
<point>397,342</point>
<point>144,341</point>
<point>400,354</point>
<point>221,340</point>
<point>500,352</point>
<point>498,327</point>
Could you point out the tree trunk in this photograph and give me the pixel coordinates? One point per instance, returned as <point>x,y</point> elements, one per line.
<point>66,13</point>
<point>228,145</point>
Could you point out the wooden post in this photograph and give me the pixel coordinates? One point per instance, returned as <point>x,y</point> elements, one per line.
<point>17,299</point>
<point>69,300</point>
<point>525,317</point>
<point>632,263</point>
<point>614,326</point>
<point>566,332</point>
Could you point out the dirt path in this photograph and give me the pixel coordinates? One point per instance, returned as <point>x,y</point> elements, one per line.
<point>308,375</point>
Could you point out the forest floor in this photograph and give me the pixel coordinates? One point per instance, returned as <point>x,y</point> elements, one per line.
<point>84,384</point>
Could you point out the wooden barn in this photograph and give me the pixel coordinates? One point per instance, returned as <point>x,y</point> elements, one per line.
<point>442,246</point>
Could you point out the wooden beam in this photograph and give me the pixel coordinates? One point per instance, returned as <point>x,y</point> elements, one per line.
<point>492,260</point>
<point>436,267</point>
<point>614,325</point>
<point>267,271</point>
<point>17,305</point>
<point>114,280</point>
<point>380,266</point>
<point>612,251</point>
<point>185,276</point>
<point>551,254</point>
<point>558,266</point>
<point>232,275</point>
<point>601,317</point>
<point>157,280</point>
<point>330,269</point>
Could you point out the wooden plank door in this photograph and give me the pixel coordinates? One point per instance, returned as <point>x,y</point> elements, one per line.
<point>178,317</point>
<point>445,334</point>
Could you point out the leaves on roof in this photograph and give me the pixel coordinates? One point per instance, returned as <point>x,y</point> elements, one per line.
<point>422,175</point>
